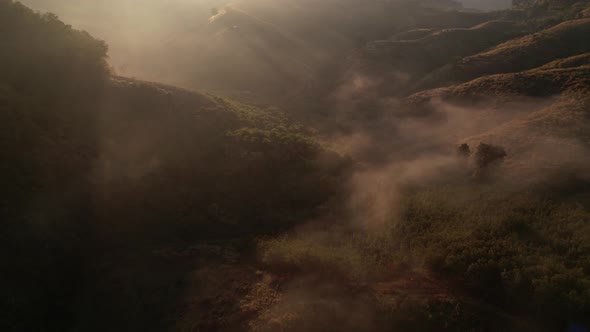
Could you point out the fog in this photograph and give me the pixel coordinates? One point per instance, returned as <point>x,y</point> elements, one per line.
<point>269,47</point>
<point>141,35</point>
<point>179,41</point>
<point>487,4</point>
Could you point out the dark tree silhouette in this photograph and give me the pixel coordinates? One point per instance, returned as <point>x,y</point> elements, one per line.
<point>487,158</point>
<point>464,150</point>
<point>487,155</point>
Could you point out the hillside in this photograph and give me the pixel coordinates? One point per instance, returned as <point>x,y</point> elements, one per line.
<point>95,165</point>
<point>418,52</point>
<point>533,112</point>
<point>445,44</point>
<point>269,48</point>
<point>544,3</point>
<point>464,242</point>
<point>280,48</point>
<point>554,78</point>
<point>487,4</point>
<point>563,40</point>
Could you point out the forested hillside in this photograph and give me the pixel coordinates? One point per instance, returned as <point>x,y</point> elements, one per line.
<point>95,165</point>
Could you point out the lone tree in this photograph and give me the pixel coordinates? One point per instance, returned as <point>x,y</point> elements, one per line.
<point>488,157</point>
<point>488,154</point>
<point>464,151</point>
<point>214,11</point>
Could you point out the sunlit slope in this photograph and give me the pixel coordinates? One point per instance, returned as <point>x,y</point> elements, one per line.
<point>540,116</point>
<point>574,61</point>
<point>549,80</point>
<point>566,39</point>
<point>417,52</point>
<point>439,47</point>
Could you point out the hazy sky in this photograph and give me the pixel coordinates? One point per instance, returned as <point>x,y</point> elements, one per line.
<point>487,4</point>
<point>172,41</point>
<point>133,29</point>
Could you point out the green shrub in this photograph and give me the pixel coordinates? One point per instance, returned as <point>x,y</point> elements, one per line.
<point>516,250</point>
<point>321,254</point>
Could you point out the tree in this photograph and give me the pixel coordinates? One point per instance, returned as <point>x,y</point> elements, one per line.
<point>464,151</point>
<point>488,157</point>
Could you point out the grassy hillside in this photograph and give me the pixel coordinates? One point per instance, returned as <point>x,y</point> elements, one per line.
<point>440,47</point>
<point>548,80</point>
<point>524,111</point>
<point>395,62</point>
<point>574,61</point>
<point>534,50</point>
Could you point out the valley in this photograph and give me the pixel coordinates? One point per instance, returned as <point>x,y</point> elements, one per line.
<point>283,165</point>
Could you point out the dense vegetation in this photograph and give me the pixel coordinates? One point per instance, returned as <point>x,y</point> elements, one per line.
<point>519,253</point>
<point>94,165</point>
<point>129,205</point>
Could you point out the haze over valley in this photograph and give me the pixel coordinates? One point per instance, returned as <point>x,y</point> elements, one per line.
<point>295,165</point>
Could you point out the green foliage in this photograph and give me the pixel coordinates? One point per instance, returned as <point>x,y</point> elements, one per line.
<point>515,250</point>
<point>43,55</point>
<point>322,254</point>
<point>504,253</point>
<point>94,167</point>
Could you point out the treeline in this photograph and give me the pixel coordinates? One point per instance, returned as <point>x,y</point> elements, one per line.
<point>50,79</point>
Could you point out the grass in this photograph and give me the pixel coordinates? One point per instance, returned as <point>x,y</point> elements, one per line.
<point>574,61</point>
<point>426,50</point>
<point>528,52</point>
<point>320,253</point>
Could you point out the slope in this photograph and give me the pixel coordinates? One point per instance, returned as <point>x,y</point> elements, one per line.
<point>416,53</point>
<point>539,115</point>
<point>534,50</point>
